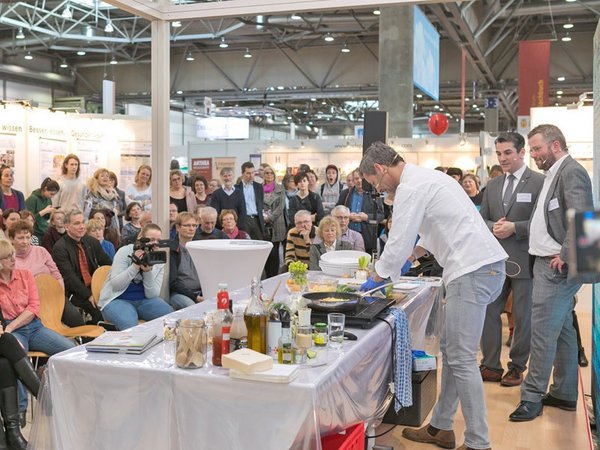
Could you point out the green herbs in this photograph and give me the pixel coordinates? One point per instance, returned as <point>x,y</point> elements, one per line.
<point>344,288</point>
<point>363,262</point>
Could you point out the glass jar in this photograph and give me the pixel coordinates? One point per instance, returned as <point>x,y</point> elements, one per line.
<point>192,344</point>
<point>320,334</point>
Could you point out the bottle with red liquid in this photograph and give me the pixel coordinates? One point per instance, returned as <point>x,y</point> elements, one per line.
<point>221,325</point>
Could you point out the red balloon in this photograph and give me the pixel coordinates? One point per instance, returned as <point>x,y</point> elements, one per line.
<point>438,124</point>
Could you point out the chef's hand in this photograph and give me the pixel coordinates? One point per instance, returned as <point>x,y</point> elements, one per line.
<point>372,283</point>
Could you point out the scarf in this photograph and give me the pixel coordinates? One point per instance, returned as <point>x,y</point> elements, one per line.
<point>269,187</point>
<point>233,234</point>
<point>107,194</point>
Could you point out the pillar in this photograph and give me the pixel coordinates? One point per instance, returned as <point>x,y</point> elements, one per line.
<point>396,68</point>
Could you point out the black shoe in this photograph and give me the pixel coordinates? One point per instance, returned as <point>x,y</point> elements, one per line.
<point>567,405</point>
<point>11,418</point>
<point>582,359</point>
<point>27,375</point>
<point>527,411</point>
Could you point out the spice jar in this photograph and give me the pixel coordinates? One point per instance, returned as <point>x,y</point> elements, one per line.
<point>192,344</point>
<point>320,334</point>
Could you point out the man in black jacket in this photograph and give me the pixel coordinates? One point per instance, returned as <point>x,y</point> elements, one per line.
<point>77,256</point>
<point>254,198</point>
<point>228,197</point>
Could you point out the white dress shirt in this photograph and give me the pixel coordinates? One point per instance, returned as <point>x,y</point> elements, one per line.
<point>432,205</point>
<point>540,241</point>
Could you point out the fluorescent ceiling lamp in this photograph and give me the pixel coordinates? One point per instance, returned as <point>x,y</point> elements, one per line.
<point>67,13</point>
<point>561,78</point>
<point>377,12</point>
<point>113,60</point>
<point>568,26</point>
<point>223,44</point>
<point>28,56</point>
<point>109,27</point>
<point>179,92</point>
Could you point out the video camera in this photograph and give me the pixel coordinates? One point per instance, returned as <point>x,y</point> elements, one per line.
<point>150,257</point>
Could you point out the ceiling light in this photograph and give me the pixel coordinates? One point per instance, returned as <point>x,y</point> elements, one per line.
<point>436,106</point>
<point>467,99</point>
<point>223,44</point>
<point>247,54</point>
<point>323,102</point>
<point>63,64</point>
<point>561,78</point>
<point>108,27</point>
<point>345,49</point>
<point>271,104</point>
<point>176,24</point>
<point>377,12</point>
<point>259,22</point>
<point>28,56</point>
<point>181,92</point>
<point>559,96</point>
<point>568,26</point>
<point>20,34</point>
<point>89,31</point>
<point>559,92</point>
<point>67,13</point>
<point>566,38</point>
<point>296,16</point>
<point>419,95</point>
<point>328,38</point>
<point>313,99</point>
<point>113,61</point>
<point>189,56</point>
<point>570,1</point>
<point>80,52</point>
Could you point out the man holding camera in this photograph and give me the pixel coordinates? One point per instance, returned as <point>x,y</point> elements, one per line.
<point>131,291</point>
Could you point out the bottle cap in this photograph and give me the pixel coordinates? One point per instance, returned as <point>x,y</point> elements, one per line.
<point>222,285</point>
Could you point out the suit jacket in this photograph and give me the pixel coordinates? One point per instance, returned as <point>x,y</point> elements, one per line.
<point>236,201</point>
<point>572,188</point>
<point>372,209</point>
<point>316,250</point>
<point>66,257</point>
<point>259,195</point>
<point>519,212</point>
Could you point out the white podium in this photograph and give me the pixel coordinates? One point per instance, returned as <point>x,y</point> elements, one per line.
<point>229,261</point>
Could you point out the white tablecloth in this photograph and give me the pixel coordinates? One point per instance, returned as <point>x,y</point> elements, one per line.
<point>104,401</point>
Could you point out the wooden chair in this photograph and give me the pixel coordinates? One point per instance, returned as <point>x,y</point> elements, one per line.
<point>52,304</point>
<point>33,355</point>
<point>98,280</point>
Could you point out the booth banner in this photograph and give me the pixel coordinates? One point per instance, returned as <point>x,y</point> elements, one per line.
<point>534,68</point>
<point>133,155</point>
<point>202,166</point>
<point>222,162</point>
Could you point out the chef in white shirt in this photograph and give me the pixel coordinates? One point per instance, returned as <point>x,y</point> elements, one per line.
<point>432,205</point>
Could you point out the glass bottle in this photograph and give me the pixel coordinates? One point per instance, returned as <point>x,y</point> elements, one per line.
<point>238,338</point>
<point>285,351</point>
<point>255,317</point>
<point>221,325</point>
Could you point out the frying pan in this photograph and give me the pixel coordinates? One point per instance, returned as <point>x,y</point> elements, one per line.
<point>348,300</point>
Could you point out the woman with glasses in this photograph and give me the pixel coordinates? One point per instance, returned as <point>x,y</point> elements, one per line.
<point>180,195</point>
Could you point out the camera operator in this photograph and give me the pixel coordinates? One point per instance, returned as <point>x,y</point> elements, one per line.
<point>132,289</point>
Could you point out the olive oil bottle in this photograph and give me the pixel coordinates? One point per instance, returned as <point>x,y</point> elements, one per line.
<point>255,318</point>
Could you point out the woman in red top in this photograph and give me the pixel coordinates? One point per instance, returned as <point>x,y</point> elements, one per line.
<point>10,198</point>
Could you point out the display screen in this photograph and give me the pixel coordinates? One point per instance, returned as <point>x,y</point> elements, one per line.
<point>223,128</point>
<point>587,242</point>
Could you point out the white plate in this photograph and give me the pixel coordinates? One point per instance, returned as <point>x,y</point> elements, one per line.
<point>406,286</point>
<point>344,256</point>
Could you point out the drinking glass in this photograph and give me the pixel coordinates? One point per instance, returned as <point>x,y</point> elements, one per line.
<point>335,327</point>
<point>169,334</point>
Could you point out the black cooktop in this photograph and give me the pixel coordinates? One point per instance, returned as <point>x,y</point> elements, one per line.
<point>365,315</point>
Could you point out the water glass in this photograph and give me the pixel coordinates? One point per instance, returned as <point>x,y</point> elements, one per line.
<point>169,334</point>
<point>335,328</point>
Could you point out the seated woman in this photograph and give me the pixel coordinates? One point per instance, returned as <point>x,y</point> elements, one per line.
<point>228,219</point>
<point>27,216</point>
<point>56,230</point>
<point>95,228</point>
<point>131,291</point>
<point>9,217</point>
<point>132,228</point>
<point>106,217</point>
<point>13,361</point>
<point>20,305</point>
<point>37,260</point>
<point>329,231</point>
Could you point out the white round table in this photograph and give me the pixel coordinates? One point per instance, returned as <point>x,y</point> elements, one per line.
<point>231,261</point>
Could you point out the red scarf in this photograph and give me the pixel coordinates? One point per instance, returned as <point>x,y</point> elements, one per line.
<point>233,234</point>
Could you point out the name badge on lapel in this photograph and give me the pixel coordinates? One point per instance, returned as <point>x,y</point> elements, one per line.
<point>524,197</point>
<point>553,204</point>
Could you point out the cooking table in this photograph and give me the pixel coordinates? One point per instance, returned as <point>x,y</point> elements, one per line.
<point>129,402</point>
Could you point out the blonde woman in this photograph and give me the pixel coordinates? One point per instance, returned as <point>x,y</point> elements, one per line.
<point>140,190</point>
<point>329,231</point>
<point>102,195</point>
<point>180,195</point>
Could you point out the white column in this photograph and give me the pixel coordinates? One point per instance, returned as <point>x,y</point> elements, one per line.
<point>161,152</point>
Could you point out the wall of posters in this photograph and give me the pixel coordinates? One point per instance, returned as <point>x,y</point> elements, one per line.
<point>52,153</point>
<point>133,155</point>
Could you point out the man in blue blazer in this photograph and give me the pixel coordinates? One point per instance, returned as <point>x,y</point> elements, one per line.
<point>507,207</point>
<point>553,339</point>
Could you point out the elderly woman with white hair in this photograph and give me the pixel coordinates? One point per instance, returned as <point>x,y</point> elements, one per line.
<point>329,231</point>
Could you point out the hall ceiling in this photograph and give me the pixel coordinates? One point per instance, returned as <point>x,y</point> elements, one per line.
<point>489,32</point>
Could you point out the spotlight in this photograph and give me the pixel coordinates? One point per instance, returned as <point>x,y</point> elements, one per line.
<point>345,49</point>
<point>67,13</point>
<point>247,54</point>
<point>328,38</point>
<point>189,56</point>
<point>223,44</point>
<point>28,56</point>
<point>20,34</point>
<point>113,61</point>
<point>108,28</point>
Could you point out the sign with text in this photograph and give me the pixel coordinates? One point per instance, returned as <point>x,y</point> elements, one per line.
<point>202,166</point>
<point>534,68</point>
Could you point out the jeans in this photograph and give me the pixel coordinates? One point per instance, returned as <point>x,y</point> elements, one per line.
<point>180,301</point>
<point>466,301</point>
<point>125,314</point>
<point>35,336</point>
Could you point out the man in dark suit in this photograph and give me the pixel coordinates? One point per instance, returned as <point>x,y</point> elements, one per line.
<point>506,207</point>
<point>77,256</point>
<point>254,197</point>
<point>553,340</point>
<point>228,197</point>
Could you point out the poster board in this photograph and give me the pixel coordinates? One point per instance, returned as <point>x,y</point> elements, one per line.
<point>222,162</point>
<point>202,166</point>
<point>133,155</point>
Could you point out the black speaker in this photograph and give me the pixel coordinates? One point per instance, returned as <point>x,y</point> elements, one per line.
<point>375,128</point>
